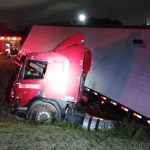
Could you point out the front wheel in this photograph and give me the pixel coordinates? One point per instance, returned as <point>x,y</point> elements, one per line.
<point>43,112</point>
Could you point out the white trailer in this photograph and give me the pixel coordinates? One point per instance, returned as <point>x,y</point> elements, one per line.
<point>120,71</point>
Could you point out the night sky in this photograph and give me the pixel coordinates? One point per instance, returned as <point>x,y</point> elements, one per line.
<point>27,12</point>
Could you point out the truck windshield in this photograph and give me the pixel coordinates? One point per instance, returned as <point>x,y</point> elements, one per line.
<point>35,69</point>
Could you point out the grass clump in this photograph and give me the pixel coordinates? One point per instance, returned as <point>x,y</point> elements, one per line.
<point>130,129</point>
<point>66,124</point>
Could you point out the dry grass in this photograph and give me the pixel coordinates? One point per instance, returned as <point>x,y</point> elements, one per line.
<point>21,135</point>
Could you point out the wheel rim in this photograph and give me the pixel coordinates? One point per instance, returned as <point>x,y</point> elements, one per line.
<point>43,116</point>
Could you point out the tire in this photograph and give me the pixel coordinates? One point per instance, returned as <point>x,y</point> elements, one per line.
<point>43,112</point>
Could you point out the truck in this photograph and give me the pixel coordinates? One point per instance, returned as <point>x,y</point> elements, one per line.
<point>94,67</point>
<point>9,44</point>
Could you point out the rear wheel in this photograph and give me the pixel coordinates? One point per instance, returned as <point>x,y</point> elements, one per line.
<point>43,112</point>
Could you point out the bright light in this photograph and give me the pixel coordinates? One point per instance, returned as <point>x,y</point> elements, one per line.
<point>2,38</point>
<point>19,38</point>
<point>82,18</point>
<point>103,97</point>
<point>95,93</point>
<point>113,103</point>
<point>14,38</point>
<point>8,38</point>
<point>87,89</point>
<point>125,109</point>
<point>137,115</point>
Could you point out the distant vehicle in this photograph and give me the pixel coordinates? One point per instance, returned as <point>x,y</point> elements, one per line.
<point>9,45</point>
<point>52,73</point>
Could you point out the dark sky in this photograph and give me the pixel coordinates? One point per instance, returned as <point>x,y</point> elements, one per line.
<point>27,12</point>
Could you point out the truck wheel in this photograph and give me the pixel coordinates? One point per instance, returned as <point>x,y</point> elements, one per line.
<point>44,112</point>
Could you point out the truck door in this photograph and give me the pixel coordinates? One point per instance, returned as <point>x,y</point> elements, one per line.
<point>56,79</point>
<point>30,83</point>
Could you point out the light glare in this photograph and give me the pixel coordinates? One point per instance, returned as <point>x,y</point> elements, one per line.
<point>82,17</point>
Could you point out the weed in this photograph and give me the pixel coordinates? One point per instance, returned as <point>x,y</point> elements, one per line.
<point>66,124</point>
<point>130,129</point>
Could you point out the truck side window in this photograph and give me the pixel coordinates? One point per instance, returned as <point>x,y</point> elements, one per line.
<point>35,69</point>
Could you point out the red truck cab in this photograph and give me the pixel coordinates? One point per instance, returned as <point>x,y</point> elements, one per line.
<point>48,81</point>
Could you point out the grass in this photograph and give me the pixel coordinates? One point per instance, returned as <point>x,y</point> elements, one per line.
<point>132,129</point>
<point>22,134</point>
